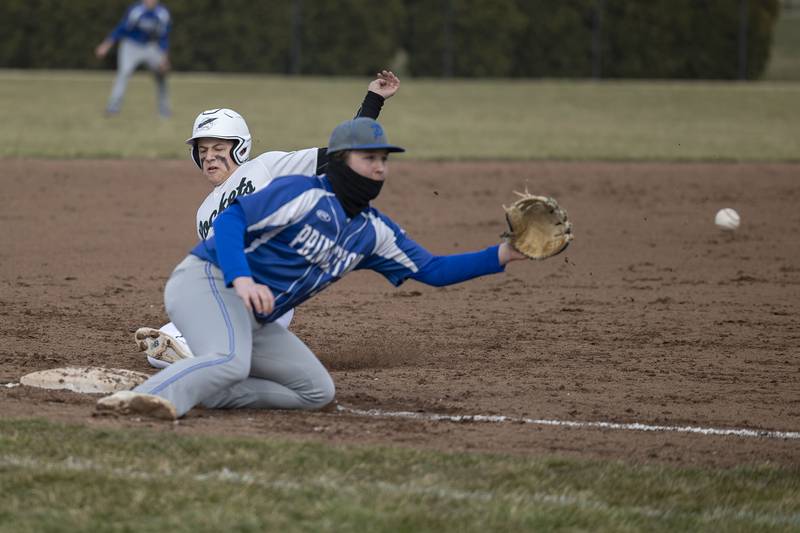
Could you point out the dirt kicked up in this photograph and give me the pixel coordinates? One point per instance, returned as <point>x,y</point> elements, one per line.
<point>653,315</point>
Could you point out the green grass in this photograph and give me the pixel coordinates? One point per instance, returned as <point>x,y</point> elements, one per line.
<point>68,478</point>
<point>59,114</point>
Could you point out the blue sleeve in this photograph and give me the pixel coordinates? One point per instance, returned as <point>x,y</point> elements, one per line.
<point>120,29</point>
<point>396,256</point>
<point>229,231</point>
<point>163,42</point>
<point>449,269</point>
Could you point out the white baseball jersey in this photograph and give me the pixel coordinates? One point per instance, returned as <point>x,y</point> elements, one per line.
<point>252,176</point>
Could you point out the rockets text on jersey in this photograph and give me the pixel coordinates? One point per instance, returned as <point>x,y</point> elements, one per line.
<point>245,186</point>
<point>249,178</point>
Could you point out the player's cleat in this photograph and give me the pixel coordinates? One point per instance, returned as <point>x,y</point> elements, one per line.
<point>161,349</point>
<point>127,402</point>
<point>332,407</point>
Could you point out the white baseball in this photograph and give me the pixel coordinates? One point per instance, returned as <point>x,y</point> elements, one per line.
<point>727,219</point>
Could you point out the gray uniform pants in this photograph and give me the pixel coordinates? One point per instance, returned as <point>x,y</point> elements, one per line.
<point>238,362</point>
<point>131,54</point>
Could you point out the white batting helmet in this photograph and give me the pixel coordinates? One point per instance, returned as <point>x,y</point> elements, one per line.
<point>221,124</point>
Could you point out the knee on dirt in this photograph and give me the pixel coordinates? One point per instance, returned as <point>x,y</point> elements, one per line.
<point>318,394</point>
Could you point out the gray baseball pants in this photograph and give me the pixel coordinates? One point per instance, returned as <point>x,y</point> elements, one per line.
<point>130,55</point>
<point>238,362</point>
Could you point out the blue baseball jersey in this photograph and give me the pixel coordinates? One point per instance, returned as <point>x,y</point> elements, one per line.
<point>298,240</point>
<point>144,25</point>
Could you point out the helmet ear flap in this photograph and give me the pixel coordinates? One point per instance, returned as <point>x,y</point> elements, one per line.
<point>195,152</point>
<point>235,150</point>
<point>240,152</point>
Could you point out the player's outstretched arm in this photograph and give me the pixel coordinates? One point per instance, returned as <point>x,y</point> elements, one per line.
<point>445,270</point>
<point>386,84</point>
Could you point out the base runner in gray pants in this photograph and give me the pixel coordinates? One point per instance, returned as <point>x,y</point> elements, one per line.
<point>271,251</point>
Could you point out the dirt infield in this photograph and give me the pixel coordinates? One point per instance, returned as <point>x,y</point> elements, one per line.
<point>652,316</point>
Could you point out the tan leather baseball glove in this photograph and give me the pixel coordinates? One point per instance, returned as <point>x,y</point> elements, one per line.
<point>537,226</point>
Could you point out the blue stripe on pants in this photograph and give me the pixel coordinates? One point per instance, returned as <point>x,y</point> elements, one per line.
<point>228,326</point>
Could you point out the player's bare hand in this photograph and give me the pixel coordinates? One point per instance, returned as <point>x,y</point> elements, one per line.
<point>256,297</point>
<point>102,49</point>
<point>386,84</point>
<point>164,66</point>
<point>507,253</point>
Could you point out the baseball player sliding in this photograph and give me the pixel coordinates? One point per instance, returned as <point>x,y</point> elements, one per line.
<point>269,252</point>
<point>220,146</point>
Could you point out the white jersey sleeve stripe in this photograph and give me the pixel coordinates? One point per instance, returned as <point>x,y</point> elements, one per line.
<point>386,245</point>
<point>262,239</point>
<point>293,210</point>
<point>134,15</point>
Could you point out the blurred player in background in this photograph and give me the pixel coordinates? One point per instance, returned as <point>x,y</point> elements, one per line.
<point>143,37</point>
<point>220,147</point>
<point>270,252</point>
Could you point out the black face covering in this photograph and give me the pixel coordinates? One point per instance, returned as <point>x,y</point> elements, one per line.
<point>353,190</point>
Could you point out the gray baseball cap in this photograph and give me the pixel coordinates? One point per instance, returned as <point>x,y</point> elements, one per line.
<point>360,134</point>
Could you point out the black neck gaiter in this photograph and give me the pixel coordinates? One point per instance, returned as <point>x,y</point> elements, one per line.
<point>353,190</point>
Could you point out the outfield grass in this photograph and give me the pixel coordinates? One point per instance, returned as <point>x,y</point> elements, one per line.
<point>59,114</point>
<point>68,478</point>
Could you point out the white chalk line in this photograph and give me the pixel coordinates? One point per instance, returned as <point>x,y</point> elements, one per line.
<point>635,426</point>
<point>359,489</point>
<point>726,432</point>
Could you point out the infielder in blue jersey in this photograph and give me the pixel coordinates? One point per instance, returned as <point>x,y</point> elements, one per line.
<point>271,251</point>
<point>220,146</point>
<point>143,36</point>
